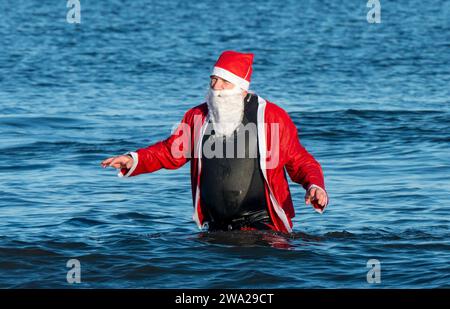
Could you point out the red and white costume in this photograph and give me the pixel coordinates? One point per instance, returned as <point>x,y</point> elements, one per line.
<point>280,151</point>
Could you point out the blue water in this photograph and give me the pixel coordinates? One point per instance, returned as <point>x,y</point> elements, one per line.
<point>371,101</point>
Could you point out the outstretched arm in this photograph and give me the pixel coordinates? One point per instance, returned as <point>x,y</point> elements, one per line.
<point>170,153</point>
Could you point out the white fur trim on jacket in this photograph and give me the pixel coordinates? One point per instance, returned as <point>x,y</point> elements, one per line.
<point>262,153</point>
<point>135,157</point>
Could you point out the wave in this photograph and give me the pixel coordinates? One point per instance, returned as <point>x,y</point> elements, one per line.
<point>132,215</point>
<point>42,121</point>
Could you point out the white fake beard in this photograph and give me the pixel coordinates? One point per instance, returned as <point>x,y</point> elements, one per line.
<point>226,109</point>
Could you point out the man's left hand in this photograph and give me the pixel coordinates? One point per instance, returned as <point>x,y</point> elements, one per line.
<point>316,195</point>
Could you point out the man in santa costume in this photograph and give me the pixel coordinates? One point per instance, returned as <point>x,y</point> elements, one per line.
<point>240,147</point>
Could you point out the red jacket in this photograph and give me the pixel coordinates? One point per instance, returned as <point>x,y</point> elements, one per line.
<point>279,149</point>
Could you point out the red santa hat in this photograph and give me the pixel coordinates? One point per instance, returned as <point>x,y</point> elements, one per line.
<point>234,67</point>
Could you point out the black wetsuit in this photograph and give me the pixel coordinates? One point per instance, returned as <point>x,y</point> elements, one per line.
<point>232,188</point>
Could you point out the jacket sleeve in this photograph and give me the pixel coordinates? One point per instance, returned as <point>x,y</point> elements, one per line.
<point>171,153</point>
<point>300,164</point>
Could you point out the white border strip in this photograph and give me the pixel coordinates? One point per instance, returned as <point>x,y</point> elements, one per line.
<point>231,77</point>
<point>199,170</point>
<point>262,154</point>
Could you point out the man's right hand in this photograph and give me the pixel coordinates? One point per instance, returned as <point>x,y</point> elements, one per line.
<point>118,162</point>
